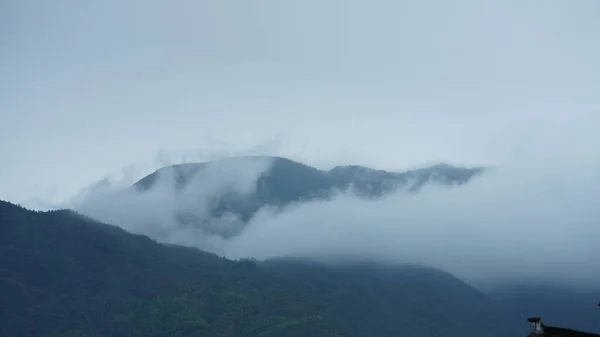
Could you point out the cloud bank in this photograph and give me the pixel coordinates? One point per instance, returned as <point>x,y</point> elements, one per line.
<point>158,211</point>
<point>533,218</point>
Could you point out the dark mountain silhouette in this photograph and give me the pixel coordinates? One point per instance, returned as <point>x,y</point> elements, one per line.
<point>62,274</point>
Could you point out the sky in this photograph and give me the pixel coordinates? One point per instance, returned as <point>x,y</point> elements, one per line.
<point>112,87</point>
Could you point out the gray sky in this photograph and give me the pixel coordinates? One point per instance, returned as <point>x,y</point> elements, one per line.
<point>87,88</point>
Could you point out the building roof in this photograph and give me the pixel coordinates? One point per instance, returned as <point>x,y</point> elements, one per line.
<point>540,329</point>
<point>564,332</point>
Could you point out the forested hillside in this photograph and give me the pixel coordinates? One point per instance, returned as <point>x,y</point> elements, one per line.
<point>65,275</point>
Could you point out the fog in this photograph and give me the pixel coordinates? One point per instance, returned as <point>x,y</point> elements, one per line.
<point>532,218</point>
<point>90,86</point>
<point>155,212</point>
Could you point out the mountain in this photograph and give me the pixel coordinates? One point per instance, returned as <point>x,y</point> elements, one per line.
<point>288,181</point>
<point>283,182</point>
<point>62,274</point>
<point>400,300</point>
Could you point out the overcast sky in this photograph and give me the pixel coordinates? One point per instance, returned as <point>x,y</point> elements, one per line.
<point>90,87</point>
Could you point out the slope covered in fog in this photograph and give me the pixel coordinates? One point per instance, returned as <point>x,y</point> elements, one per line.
<point>287,180</point>
<point>281,183</point>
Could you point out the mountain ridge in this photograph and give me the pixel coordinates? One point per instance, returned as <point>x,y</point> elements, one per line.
<point>345,173</point>
<point>278,182</point>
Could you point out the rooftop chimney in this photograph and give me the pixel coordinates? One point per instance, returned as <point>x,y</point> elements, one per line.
<point>537,325</point>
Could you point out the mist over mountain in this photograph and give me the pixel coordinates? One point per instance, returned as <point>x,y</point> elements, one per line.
<point>338,251</point>
<point>339,168</point>
<point>209,204</point>
<point>63,274</point>
<point>282,183</point>
<point>286,180</point>
<point>503,225</point>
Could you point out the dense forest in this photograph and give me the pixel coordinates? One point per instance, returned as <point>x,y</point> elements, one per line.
<point>62,274</point>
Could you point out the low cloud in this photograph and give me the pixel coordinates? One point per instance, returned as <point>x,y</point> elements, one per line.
<point>534,217</point>
<point>500,227</point>
<point>157,212</point>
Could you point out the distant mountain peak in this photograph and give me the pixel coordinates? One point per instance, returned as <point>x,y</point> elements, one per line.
<point>279,182</point>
